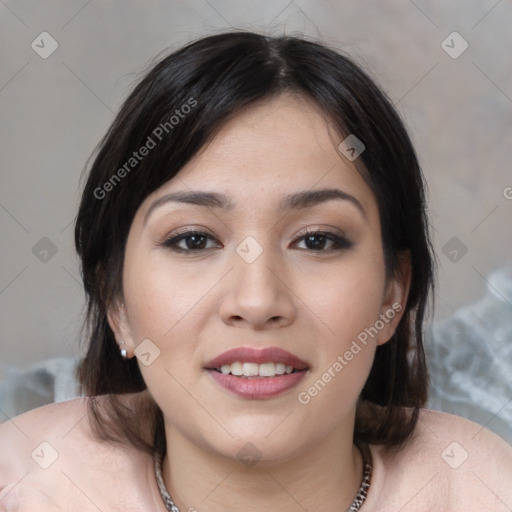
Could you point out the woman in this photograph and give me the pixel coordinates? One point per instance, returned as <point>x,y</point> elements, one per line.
<point>256,258</point>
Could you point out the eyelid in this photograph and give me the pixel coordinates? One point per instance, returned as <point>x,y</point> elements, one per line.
<point>188,230</point>
<point>340,239</point>
<point>325,229</point>
<point>183,233</point>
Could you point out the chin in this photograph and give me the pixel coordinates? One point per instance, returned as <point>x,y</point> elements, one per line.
<point>254,444</point>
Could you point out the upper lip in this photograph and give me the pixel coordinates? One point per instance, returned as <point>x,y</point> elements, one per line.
<point>257,355</point>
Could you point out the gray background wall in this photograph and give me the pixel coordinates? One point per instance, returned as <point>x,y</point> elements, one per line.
<point>54,110</point>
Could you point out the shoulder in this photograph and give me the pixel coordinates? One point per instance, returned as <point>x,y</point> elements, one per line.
<point>52,453</point>
<point>450,463</point>
<point>22,435</point>
<point>462,442</point>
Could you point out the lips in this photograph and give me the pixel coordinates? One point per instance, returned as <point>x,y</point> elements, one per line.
<point>287,370</point>
<point>260,356</point>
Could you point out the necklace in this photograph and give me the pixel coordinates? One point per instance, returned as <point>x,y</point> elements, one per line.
<point>356,504</point>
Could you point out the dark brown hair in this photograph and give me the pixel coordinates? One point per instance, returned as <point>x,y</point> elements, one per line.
<point>220,75</point>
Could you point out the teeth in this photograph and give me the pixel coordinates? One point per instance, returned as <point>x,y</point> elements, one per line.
<point>255,370</point>
<point>250,369</point>
<point>236,369</point>
<point>267,370</point>
<point>280,367</point>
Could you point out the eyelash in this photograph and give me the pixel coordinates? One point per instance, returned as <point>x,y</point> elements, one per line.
<point>339,241</point>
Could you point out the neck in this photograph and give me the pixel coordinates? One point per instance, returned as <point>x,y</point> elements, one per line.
<point>324,478</point>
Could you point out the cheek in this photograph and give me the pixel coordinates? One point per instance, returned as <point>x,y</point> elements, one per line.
<point>161,302</point>
<point>168,305</point>
<point>345,353</point>
<point>160,296</point>
<point>348,299</point>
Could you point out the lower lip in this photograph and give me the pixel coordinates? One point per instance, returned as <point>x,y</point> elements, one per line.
<point>257,387</point>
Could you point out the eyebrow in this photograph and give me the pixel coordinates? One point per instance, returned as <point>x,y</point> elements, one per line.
<point>295,201</point>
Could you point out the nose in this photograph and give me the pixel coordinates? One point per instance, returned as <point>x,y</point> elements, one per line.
<point>257,294</point>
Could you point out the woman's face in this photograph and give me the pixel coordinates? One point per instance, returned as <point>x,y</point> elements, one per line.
<point>257,276</point>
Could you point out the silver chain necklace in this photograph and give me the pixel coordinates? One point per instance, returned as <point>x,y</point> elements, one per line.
<point>356,504</point>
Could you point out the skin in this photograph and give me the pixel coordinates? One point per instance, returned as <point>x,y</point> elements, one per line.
<point>194,306</point>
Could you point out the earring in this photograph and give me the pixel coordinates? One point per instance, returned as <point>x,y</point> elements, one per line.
<point>123,351</point>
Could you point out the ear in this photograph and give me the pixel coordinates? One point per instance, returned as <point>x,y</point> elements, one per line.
<point>118,321</point>
<point>395,298</point>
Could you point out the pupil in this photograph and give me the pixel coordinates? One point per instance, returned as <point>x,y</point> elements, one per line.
<point>316,245</point>
<point>197,241</point>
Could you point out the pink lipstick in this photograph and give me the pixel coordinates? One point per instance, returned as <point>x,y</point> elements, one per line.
<point>257,373</point>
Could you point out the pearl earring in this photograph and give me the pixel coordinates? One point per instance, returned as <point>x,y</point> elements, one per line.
<point>123,351</point>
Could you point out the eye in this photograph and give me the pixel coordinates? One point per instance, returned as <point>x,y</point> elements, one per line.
<point>197,241</point>
<point>189,241</point>
<point>318,240</point>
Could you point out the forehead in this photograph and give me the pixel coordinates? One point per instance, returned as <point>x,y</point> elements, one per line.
<point>276,147</point>
<point>284,132</point>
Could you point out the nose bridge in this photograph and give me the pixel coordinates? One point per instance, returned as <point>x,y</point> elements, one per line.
<point>257,292</point>
<point>254,264</point>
